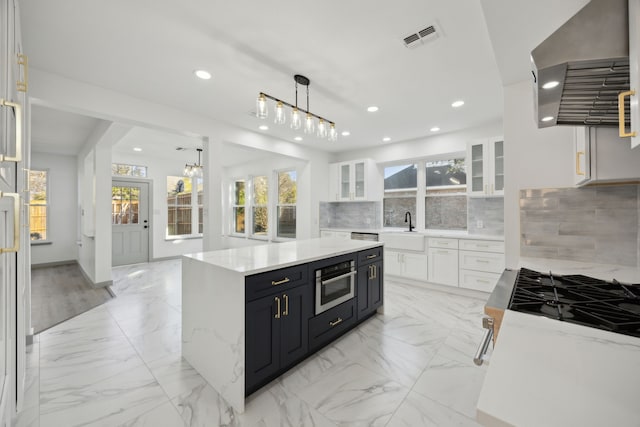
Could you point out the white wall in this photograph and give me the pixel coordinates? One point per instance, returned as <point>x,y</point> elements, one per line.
<point>534,158</point>
<point>62,212</point>
<point>158,169</point>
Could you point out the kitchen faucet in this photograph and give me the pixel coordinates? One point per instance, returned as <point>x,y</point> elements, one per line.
<point>405,220</point>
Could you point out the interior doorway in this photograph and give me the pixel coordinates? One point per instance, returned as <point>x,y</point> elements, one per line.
<point>129,222</point>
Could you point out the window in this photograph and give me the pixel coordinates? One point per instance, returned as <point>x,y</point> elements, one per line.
<point>287,196</point>
<point>260,207</point>
<point>239,193</point>
<point>184,206</point>
<point>200,201</point>
<point>38,204</point>
<point>400,190</point>
<point>120,169</point>
<point>445,202</point>
<point>125,203</point>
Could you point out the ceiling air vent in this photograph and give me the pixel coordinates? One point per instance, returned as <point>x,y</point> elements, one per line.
<point>181,149</point>
<point>421,37</point>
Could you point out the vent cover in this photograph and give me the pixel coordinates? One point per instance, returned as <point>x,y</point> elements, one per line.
<point>421,37</point>
<point>181,149</point>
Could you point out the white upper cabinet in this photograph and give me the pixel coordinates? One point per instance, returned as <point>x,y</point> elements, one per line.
<point>355,180</point>
<point>485,167</point>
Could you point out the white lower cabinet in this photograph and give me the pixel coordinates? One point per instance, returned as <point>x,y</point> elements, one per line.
<point>403,264</point>
<point>481,264</point>
<point>478,280</point>
<point>443,266</point>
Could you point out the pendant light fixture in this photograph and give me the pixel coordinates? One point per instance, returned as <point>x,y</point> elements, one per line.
<point>194,170</point>
<point>325,127</point>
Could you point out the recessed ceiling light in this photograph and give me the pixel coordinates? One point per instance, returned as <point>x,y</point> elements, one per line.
<point>137,149</point>
<point>263,127</point>
<point>386,139</point>
<point>457,104</point>
<point>298,138</point>
<point>550,85</point>
<point>434,129</point>
<point>346,133</point>
<point>372,109</point>
<point>547,119</point>
<point>203,74</point>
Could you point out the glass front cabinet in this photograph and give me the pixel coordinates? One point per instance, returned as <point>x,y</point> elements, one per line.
<point>485,167</point>
<point>352,180</point>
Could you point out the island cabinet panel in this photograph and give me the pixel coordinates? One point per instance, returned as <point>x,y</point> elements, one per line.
<point>329,325</point>
<point>276,332</point>
<point>369,289</point>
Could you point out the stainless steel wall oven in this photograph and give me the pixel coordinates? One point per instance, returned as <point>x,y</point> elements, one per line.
<point>335,284</point>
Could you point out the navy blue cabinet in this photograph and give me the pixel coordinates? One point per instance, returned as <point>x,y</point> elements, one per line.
<point>276,332</point>
<point>370,279</point>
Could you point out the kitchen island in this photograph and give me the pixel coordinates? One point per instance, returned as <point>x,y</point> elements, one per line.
<point>247,313</point>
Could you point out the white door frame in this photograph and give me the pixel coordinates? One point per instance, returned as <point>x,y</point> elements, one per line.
<point>149,182</point>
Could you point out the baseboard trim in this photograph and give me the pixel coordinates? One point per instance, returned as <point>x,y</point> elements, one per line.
<point>54,264</point>
<point>91,282</point>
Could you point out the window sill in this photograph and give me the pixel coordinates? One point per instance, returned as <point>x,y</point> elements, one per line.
<point>41,242</point>
<point>185,237</point>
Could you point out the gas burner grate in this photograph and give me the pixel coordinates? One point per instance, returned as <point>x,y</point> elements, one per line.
<point>584,300</point>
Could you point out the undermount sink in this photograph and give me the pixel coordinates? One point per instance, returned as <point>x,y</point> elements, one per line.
<point>403,240</point>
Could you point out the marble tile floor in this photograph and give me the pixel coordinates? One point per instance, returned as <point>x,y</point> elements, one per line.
<point>120,365</point>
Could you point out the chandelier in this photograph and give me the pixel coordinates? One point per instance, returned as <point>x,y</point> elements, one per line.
<point>325,128</point>
<point>194,170</point>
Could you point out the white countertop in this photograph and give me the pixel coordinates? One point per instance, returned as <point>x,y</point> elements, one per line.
<point>545,372</point>
<point>600,271</point>
<point>453,234</point>
<point>271,256</point>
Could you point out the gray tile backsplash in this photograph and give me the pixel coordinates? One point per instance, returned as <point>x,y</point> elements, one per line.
<point>359,215</point>
<point>446,212</point>
<point>590,224</point>
<point>490,211</point>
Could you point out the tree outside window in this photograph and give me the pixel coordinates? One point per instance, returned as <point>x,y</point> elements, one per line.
<point>38,204</point>
<point>239,200</point>
<point>260,206</point>
<point>287,197</point>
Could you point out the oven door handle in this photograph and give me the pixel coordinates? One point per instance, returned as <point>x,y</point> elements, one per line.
<point>487,323</point>
<point>335,279</point>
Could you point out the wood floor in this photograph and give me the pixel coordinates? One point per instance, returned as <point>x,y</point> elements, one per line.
<point>59,293</point>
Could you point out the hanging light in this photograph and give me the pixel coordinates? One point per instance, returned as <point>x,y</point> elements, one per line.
<point>261,107</point>
<point>322,129</point>
<point>280,116</point>
<point>194,170</point>
<point>296,113</point>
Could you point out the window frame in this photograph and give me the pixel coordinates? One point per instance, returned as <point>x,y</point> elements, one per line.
<point>47,205</point>
<point>276,174</point>
<point>195,210</point>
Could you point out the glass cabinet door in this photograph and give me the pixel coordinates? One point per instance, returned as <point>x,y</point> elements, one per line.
<point>498,166</point>
<point>345,182</point>
<point>359,180</point>
<point>477,168</point>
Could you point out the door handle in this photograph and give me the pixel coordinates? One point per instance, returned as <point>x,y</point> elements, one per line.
<point>146,226</point>
<point>145,221</point>
<point>16,222</point>
<point>277,316</point>
<point>18,108</point>
<point>286,305</point>
<point>621,130</point>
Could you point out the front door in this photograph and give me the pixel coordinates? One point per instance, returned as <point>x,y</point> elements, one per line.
<point>130,222</point>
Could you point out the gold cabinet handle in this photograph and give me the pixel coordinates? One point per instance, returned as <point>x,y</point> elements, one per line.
<point>277,316</point>
<point>27,181</point>
<point>22,86</point>
<point>16,222</point>
<point>371,256</point>
<point>18,157</point>
<point>375,271</point>
<point>280,282</point>
<point>578,154</point>
<point>483,281</point>
<point>622,131</point>
<point>286,305</point>
<point>335,322</point>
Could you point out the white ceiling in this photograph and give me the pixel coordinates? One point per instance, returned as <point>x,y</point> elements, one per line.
<point>55,131</point>
<point>352,52</point>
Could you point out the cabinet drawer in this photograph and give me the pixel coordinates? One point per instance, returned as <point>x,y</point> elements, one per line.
<point>478,280</point>
<point>332,323</point>
<point>482,261</point>
<point>369,256</point>
<point>263,284</point>
<point>482,245</point>
<point>442,242</point>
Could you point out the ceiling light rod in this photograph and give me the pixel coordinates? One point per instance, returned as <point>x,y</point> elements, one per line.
<point>273,98</point>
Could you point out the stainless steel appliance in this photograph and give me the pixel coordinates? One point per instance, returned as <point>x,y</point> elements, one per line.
<point>364,236</point>
<point>335,284</point>
<point>586,301</point>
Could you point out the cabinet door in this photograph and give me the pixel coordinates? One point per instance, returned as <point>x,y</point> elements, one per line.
<point>262,340</point>
<point>477,167</point>
<point>294,324</point>
<point>496,186</point>
<point>581,163</point>
<point>392,262</point>
<point>415,266</point>
<point>345,181</point>
<point>443,266</point>
<point>376,287</point>
<point>359,181</point>
<point>365,274</point>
